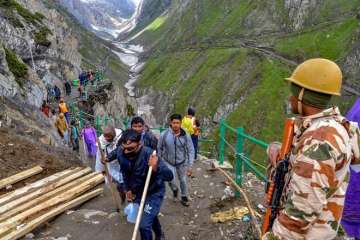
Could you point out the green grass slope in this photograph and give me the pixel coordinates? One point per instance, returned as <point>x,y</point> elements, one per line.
<point>205,55</point>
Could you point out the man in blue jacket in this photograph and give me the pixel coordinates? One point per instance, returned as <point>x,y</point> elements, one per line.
<point>135,160</point>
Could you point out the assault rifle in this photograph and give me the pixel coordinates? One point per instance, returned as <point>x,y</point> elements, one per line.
<point>275,188</point>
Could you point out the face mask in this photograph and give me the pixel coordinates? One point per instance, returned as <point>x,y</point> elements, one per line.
<point>132,154</point>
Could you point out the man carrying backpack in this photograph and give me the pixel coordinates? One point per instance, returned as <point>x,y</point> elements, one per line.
<point>192,126</point>
<point>176,149</point>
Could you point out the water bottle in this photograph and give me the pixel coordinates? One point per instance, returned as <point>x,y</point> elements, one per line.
<point>131,211</point>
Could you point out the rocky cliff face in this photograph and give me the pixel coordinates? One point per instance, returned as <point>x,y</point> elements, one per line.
<point>45,46</point>
<point>37,49</point>
<point>41,45</point>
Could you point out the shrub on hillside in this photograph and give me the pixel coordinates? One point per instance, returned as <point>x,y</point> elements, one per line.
<point>18,68</point>
<point>41,37</point>
<point>26,14</point>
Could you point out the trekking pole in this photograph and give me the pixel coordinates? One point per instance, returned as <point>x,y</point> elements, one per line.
<point>142,203</point>
<point>85,158</point>
<point>112,186</point>
<point>251,210</point>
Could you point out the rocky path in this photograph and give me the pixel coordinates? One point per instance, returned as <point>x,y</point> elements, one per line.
<point>98,220</point>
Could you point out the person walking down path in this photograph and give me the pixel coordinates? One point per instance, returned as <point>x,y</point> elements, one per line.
<point>62,128</point>
<point>90,137</point>
<point>108,143</point>
<point>135,160</point>
<point>63,109</point>
<point>192,126</point>
<point>176,149</point>
<point>74,136</point>
<point>45,108</point>
<point>67,86</point>
<point>148,139</point>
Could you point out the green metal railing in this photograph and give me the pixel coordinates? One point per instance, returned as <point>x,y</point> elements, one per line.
<point>242,163</point>
<point>99,121</point>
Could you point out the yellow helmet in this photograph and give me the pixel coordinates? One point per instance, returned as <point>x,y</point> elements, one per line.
<point>319,75</point>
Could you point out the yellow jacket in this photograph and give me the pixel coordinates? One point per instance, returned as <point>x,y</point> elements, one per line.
<point>61,124</point>
<point>63,108</point>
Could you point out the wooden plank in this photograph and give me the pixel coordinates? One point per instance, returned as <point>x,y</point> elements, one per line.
<point>36,185</point>
<point>31,225</point>
<point>9,224</point>
<point>20,176</point>
<point>23,203</point>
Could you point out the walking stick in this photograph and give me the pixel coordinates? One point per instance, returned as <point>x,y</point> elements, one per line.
<point>112,186</point>
<point>142,203</point>
<point>85,157</point>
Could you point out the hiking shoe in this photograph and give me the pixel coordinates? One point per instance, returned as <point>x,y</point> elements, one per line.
<point>162,237</point>
<point>185,201</point>
<point>175,193</point>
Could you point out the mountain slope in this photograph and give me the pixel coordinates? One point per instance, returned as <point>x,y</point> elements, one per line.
<point>229,59</point>
<point>42,45</point>
<point>101,16</point>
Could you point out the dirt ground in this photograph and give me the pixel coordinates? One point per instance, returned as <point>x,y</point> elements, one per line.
<point>19,153</point>
<point>97,218</point>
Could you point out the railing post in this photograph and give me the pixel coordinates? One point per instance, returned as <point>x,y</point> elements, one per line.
<point>106,119</point>
<point>246,167</point>
<point>239,160</point>
<point>126,122</point>
<point>116,121</point>
<point>81,119</point>
<point>98,124</point>
<point>222,142</point>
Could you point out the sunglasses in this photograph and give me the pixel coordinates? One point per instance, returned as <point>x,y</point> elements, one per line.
<point>129,149</point>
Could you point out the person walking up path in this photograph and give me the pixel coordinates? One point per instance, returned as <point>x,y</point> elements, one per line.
<point>45,108</point>
<point>108,143</point>
<point>135,160</point>
<point>62,128</point>
<point>57,92</point>
<point>74,136</point>
<point>148,139</point>
<point>64,109</point>
<point>67,86</point>
<point>89,137</point>
<point>192,126</point>
<point>177,150</point>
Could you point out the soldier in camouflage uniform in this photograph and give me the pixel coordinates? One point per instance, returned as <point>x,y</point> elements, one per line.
<point>324,146</point>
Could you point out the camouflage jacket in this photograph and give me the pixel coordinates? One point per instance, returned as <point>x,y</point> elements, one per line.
<point>324,146</point>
